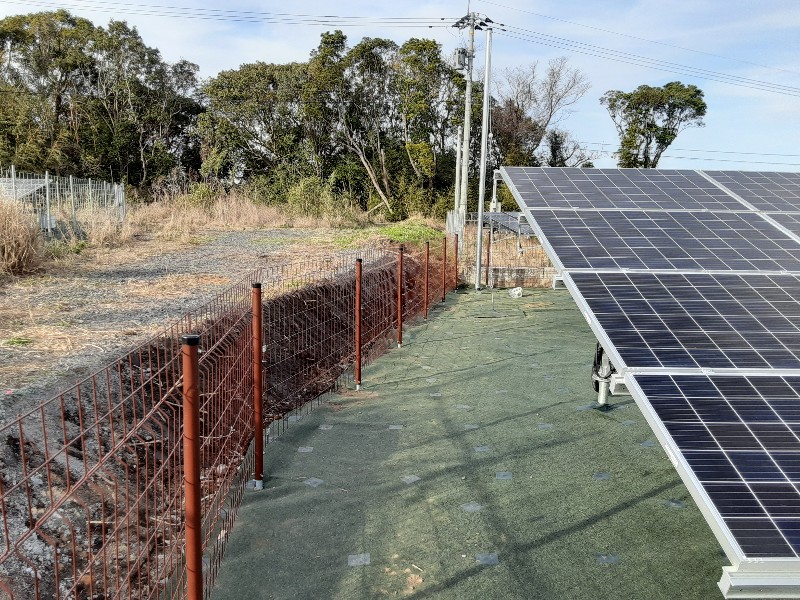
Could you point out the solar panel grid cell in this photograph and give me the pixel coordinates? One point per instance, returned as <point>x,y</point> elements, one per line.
<point>697,320</point>
<point>740,437</point>
<point>643,240</point>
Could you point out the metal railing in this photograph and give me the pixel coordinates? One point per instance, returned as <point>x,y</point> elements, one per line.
<point>52,198</point>
<point>512,255</point>
<point>92,496</point>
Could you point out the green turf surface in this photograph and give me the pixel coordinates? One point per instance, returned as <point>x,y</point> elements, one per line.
<point>589,512</point>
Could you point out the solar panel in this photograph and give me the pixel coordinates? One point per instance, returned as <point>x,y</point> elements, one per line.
<point>705,321</point>
<point>660,240</point>
<point>772,192</point>
<point>739,437</point>
<point>691,283</point>
<point>511,221</point>
<point>791,221</point>
<point>542,187</point>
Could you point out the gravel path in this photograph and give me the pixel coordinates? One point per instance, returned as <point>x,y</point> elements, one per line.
<point>59,326</point>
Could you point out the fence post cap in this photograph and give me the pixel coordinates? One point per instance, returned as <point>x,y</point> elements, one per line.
<point>256,286</point>
<point>358,260</point>
<point>190,339</point>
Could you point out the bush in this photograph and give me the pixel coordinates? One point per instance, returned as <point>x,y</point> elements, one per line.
<point>21,239</point>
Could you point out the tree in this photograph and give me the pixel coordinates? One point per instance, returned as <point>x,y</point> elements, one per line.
<point>560,150</point>
<point>649,119</point>
<point>530,104</point>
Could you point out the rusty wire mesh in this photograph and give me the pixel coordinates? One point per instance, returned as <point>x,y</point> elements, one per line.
<point>91,489</point>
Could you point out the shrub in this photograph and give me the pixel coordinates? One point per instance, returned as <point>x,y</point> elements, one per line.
<point>21,239</point>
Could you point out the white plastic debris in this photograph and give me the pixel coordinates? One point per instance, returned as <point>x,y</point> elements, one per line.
<point>515,293</point>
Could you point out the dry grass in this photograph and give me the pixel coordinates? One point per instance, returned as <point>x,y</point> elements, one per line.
<point>170,287</point>
<point>21,242</point>
<point>180,219</point>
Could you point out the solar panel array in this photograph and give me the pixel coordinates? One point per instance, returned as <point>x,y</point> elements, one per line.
<point>691,280</point>
<point>511,221</point>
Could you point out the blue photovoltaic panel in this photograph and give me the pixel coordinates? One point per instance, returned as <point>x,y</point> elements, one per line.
<point>659,240</point>
<point>739,435</point>
<point>542,187</point>
<point>697,320</point>
<point>771,192</point>
<point>791,221</point>
<point>511,221</point>
<point>646,253</point>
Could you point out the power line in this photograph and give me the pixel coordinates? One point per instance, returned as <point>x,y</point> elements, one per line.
<point>631,59</point>
<point>204,14</point>
<point>643,39</point>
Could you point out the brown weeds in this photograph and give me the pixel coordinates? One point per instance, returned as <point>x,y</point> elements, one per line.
<point>21,241</point>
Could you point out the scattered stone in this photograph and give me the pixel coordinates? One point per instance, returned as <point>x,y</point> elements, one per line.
<point>409,479</point>
<point>427,367</point>
<point>675,503</point>
<point>544,426</point>
<point>628,422</point>
<point>326,427</point>
<point>585,407</point>
<point>436,395</point>
<point>395,427</point>
<point>490,558</point>
<point>358,560</point>
<point>482,449</point>
<point>602,475</point>
<point>648,444</point>
<point>431,380</point>
<point>463,406</point>
<point>470,426</point>
<point>471,507</point>
<point>608,559</point>
<point>305,449</point>
<point>313,482</point>
<point>504,475</point>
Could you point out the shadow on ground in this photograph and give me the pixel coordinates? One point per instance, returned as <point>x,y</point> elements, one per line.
<point>469,468</point>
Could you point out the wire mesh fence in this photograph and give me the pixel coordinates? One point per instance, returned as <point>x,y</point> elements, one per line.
<point>92,494</point>
<point>511,253</point>
<point>57,201</point>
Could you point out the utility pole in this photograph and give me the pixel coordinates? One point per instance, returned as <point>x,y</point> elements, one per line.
<point>457,186</point>
<point>484,143</point>
<point>466,21</point>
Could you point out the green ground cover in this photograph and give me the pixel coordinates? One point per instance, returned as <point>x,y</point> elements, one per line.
<point>489,386</point>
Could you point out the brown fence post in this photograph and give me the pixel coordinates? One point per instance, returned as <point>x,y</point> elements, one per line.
<point>400,297</point>
<point>191,466</point>
<point>357,373</point>
<point>444,268</point>
<point>488,251</point>
<point>258,387</point>
<point>425,297</point>
<point>455,250</point>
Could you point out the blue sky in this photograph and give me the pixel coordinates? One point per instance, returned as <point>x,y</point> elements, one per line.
<point>747,127</point>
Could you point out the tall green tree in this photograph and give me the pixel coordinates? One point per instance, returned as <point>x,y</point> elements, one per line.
<point>91,101</point>
<point>649,119</point>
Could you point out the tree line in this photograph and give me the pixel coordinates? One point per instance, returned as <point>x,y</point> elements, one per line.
<point>371,125</point>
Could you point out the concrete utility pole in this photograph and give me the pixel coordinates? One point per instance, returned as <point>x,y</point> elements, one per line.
<point>457,186</point>
<point>467,21</point>
<point>484,143</point>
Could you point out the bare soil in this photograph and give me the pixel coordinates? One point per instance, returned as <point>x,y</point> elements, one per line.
<point>76,314</point>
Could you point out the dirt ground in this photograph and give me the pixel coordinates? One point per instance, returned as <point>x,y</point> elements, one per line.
<point>77,313</point>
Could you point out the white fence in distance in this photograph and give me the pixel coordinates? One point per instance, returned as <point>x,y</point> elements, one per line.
<point>51,197</point>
